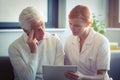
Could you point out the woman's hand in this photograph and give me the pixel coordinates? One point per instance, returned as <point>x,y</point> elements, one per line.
<point>74,75</point>
<point>32,42</point>
<point>80,75</point>
<point>71,75</point>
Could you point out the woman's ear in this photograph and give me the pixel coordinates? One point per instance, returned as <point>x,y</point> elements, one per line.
<point>88,24</point>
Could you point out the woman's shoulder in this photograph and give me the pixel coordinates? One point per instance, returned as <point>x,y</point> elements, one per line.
<point>97,35</point>
<point>101,37</point>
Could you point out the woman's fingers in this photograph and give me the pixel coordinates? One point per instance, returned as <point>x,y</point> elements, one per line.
<point>70,75</point>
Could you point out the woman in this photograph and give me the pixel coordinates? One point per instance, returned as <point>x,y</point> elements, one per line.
<point>86,48</point>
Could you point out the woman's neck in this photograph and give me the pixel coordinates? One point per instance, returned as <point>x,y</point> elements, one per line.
<point>85,34</point>
<point>83,37</point>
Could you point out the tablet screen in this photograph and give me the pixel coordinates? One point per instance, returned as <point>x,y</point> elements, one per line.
<point>57,72</point>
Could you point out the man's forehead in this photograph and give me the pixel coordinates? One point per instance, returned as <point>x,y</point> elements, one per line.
<point>37,24</point>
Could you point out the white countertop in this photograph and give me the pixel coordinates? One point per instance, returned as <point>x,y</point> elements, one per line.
<point>115,51</point>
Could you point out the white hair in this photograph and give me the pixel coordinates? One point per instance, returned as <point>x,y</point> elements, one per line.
<point>28,15</point>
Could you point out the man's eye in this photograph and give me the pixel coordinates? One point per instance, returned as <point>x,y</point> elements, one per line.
<point>38,30</point>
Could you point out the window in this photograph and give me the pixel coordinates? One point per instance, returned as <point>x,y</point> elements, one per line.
<point>113,17</point>
<point>52,14</point>
<point>52,20</point>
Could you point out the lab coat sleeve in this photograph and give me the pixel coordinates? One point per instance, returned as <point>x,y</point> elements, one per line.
<point>103,57</point>
<point>24,71</point>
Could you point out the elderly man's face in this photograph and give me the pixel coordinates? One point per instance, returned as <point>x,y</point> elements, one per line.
<point>39,29</point>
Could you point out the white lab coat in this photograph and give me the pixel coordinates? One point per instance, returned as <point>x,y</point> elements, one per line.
<point>95,53</point>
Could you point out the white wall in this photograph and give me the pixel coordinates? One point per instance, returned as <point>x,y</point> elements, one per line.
<point>10,13</point>
<point>5,40</point>
<point>96,6</point>
<point>113,34</point>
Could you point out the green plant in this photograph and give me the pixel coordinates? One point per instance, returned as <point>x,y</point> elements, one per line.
<point>98,25</point>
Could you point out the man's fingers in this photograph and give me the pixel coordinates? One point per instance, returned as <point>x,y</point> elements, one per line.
<point>36,41</point>
<point>31,35</point>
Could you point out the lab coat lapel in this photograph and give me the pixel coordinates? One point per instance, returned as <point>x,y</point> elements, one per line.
<point>75,45</point>
<point>88,41</point>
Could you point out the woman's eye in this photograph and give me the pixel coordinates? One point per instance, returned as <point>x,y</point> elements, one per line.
<point>70,24</point>
<point>78,25</point>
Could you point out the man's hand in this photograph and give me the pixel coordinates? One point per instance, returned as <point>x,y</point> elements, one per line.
<point>32,42</point>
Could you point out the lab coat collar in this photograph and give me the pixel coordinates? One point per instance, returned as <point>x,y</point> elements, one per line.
<point>87,43</point>
<point>75,40</point>
<point>88,39</point>
<point>90,36</point>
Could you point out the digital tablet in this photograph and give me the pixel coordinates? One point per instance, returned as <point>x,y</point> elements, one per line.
<point>57,72</point>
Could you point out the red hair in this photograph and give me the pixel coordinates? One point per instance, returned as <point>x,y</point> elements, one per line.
<point>81,12</point>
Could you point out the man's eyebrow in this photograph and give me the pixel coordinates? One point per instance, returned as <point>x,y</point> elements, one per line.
<point>41,23</point>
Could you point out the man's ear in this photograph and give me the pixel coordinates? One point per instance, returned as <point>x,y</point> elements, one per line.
<point>26,31</point>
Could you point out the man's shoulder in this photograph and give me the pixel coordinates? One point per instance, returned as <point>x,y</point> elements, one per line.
<point>52,35</point>
<point>17,41</point>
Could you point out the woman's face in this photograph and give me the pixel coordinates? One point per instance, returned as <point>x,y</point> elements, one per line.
<point>77,26</point>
